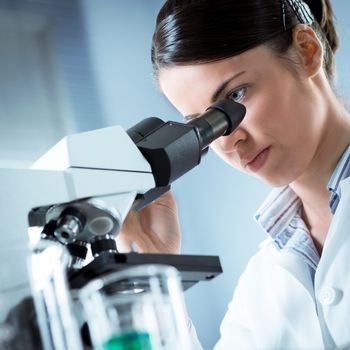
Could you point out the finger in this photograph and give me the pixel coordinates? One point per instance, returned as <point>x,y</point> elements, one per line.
<point>167,200</point>
<point>124,244</point>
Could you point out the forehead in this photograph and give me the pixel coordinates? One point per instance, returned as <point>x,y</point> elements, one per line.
<point>190,87</point>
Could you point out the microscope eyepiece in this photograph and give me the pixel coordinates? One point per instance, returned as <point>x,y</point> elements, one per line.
<point>173,148</point>
<point>220,119</point>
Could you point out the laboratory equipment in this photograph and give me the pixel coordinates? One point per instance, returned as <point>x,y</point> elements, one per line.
<point>138,308</point>
<point>42,318</point>
<point>79,194</point>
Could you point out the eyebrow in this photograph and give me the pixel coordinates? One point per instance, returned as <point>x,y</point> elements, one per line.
<point>223,86</point>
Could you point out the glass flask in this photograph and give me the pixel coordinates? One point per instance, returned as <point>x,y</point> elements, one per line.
<point>139,308</point>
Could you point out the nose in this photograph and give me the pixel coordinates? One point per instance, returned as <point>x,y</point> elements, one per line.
<point>229,143</point>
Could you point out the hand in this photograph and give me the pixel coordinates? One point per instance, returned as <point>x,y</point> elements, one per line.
<point>153,229</point>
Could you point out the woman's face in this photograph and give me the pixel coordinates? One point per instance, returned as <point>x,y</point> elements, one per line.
<point>279,135</point>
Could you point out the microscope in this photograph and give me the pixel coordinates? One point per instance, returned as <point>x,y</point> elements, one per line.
<point>78,195</point>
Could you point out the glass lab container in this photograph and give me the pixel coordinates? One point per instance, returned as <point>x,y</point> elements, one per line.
<point>139,308</point>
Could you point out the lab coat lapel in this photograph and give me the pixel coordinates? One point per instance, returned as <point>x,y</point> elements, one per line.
<point>338,237</point>
<point>332,276</point>
<point>297,268</point>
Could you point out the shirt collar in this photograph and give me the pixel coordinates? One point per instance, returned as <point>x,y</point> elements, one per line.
<point>282,204</point>
<point>278,210</point>
<point>341,172</point>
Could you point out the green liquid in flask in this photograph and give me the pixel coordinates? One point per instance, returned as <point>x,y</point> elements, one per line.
<point>129,341</point>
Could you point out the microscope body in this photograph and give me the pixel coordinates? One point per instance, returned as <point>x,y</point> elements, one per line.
<point>79,193</point>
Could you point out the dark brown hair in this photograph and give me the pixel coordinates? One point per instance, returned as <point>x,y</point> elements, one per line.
<point>202,31</point>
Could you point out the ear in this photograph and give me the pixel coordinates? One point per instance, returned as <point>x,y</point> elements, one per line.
<point>308,48</point>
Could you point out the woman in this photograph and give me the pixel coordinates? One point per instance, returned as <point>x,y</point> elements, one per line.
<point>276,58</point>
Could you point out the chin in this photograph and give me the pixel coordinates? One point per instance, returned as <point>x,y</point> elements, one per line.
<point>275,181</point>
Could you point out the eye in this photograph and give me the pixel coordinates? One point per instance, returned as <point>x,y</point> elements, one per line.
<point>238,94</point>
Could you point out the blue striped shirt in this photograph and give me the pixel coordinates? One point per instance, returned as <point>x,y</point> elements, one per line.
<point>280,215</point>
<point>341,172</point>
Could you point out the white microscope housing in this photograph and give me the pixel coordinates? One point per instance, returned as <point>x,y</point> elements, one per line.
<point>80,191</point>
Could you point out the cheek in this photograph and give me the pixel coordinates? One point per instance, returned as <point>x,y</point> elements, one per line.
<point>264,113</point>
<point>274,116</point>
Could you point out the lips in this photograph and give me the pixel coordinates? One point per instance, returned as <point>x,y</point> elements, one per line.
<point>257,160</point>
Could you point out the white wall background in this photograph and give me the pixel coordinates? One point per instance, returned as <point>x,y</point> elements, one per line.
<point>216,203</point>
<point>102,53</point>
<point>46,86</point>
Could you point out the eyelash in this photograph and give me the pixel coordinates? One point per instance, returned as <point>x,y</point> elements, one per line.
<point>240,98</point>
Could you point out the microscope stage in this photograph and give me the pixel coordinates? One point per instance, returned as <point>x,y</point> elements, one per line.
<point>192,268</point>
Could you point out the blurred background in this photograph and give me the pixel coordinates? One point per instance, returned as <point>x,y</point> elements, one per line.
<point>68,66</point>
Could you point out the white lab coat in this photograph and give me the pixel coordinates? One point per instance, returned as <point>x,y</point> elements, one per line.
<point>276,306</point>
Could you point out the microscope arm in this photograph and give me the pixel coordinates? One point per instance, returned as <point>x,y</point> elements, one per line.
<point>118,170</point>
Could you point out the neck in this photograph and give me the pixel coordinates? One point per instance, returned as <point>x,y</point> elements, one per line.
<point>311,186</point>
